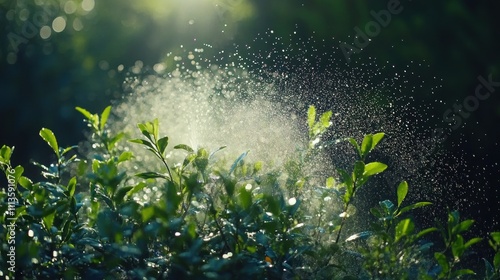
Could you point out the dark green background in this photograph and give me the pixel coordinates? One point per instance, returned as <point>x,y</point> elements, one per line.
<point>43,80</point>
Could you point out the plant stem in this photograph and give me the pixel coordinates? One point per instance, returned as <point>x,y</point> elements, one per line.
<point>345,211</point>
<point>58,171</point>
<point>168,168</point>
<point>342,222</point>
<point>186,208</point>
<point>221,232</point>
<point>189,198</point>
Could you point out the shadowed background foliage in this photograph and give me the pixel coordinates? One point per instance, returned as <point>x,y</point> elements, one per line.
<point>58,54</point>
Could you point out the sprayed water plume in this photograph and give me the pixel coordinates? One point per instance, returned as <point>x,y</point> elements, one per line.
<point>202,109</point>
<point>245,105</point>
<point>251,98</point>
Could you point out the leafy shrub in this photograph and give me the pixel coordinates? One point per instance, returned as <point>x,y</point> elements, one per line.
<point>96,218</point>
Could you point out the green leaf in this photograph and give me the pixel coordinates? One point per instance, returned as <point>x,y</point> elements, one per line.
<point>104,117</point>
<point>26,183</point>
<point>66,230</point>
<point>257,166</point>
<point>149,129</point>
<point>202,153</point>
<point>330,182</point>
<point>360,235</point>
<point>472,242</point>
<point>359,169</point>
<point>325,119</point>
<point>495,236</point>
<point>376,139</point>
<point>463,226</point>
<point>91,119</point>
<point>189,158</point>
<point>404,228</point>
<point>496,261</point>
<point>48,219</point>
<point>125,156</point>
<point>74,207</point>
<point>162,144</point>
<point>173,198</point>
<point>18,172</point>
<point>50,138</point>
<point>136,188</point>
<point>245,198</point>
<point>356,145</point>
<point>68,149</point>
<point>143,142</point>
<point>151,175</point>
<point>5,154</point>
<point>156,128</point>
<point>21,211</point>
<point>229,185</point>
<point>413,206</point>
<point>376,212</point>
<point>191,230</point>
<point>366,145</point>
<point>120,194</point>
<point>311,117</point>
<point>145,129</point>
<point>453,218</point>
<point>237,161</point>
<point>349,184</point>
<point>201,159</point>
<point>426,231</point>
<point>184,147</point>
<point>402,192</point>
<point>71,186</point>
<point>461,272</point>
<point>457,247</point>
<point>85,113</point>
<point>140,141</point>
<point>218,149</point>
<point>373,168</point>
<point>106,199</point>
<point>95,166</point>
<point>443,262</point>
<point>350,192</point>
<point>112,142</point>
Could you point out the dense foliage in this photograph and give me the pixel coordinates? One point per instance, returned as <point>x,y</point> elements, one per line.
<point>96,218</point>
